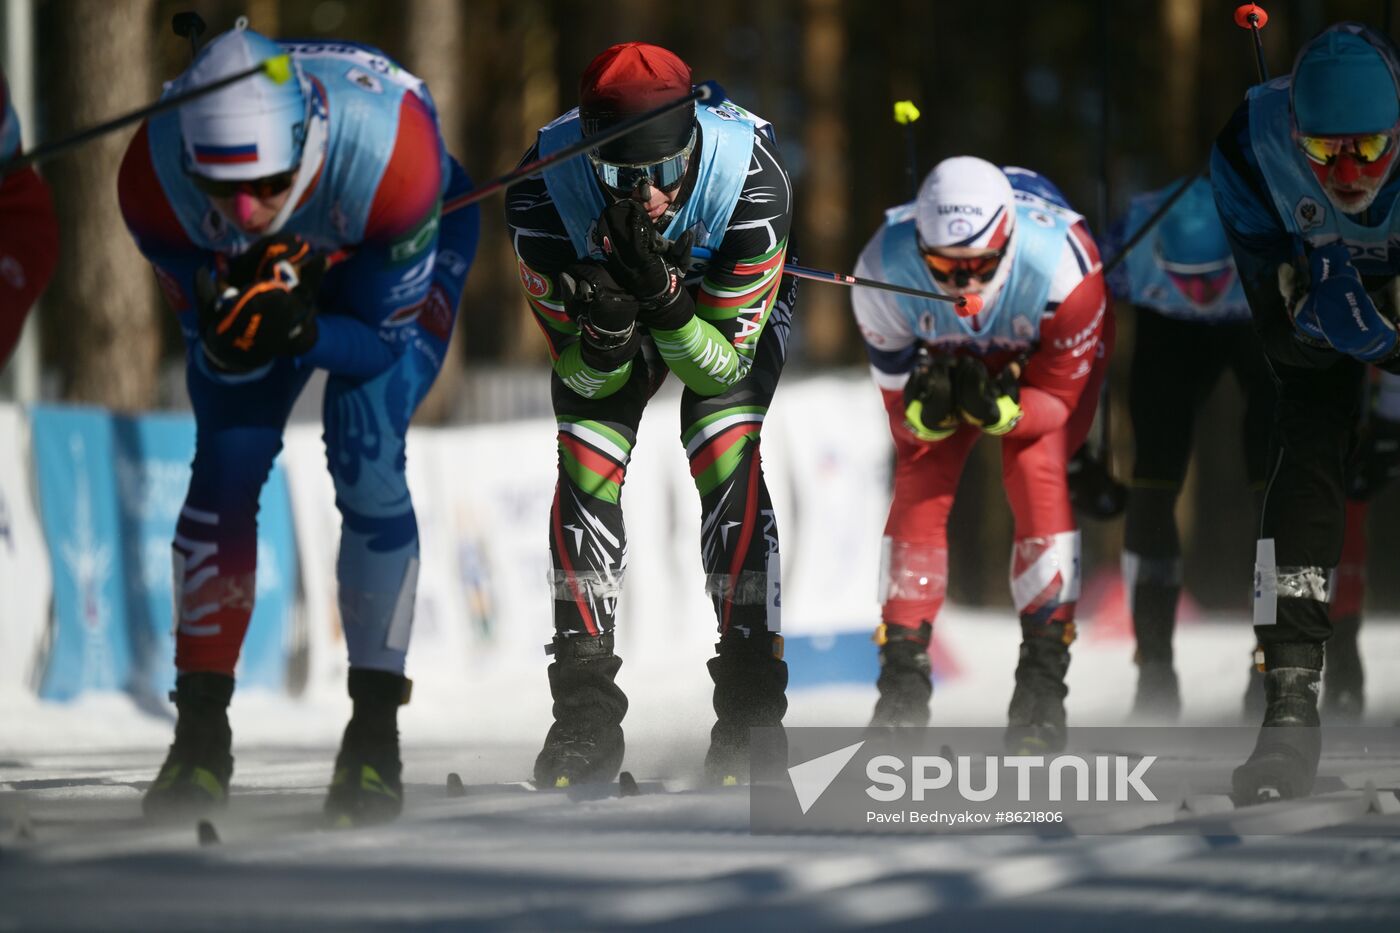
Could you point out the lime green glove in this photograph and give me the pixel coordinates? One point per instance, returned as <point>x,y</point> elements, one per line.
<point>929,413</point>
<point>993,403</point>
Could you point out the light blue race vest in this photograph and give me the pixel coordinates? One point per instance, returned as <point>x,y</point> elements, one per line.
<point>1149,284</point>
<point>1011,321</point>
<point>357,93</point>
<point>726,150</point>
<point>1300,200</point>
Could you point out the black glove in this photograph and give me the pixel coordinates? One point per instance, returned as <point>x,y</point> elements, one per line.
<point>1376,459</point>
<point>990,402</point>
<point>929,411</point>
<point>1093,492</point>
<point>261,306</point>
<point>260,263</point>
<point>645,264</point>
<point>606,315</point>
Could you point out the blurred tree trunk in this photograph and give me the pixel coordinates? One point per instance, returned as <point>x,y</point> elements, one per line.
<point>522,95</point>
<point>823,312</point>
<point>1181,28</point>
<point>434,50</point>
<point>100,325</point>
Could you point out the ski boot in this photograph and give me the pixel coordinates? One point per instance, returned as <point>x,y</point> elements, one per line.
<point>750,678</point>
<point>1285,757</point>
<point>1158,697</point>
<point>585,743</point>
<point>195,777</point>
<point>366,786</point>
<point>1036,716</point>
<point>905,682</point>
<point>1343,680</point>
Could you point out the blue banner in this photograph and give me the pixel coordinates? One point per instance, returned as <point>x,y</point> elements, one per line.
<point>153,459</point>
<point>91,645</point>
<point>110,491</point>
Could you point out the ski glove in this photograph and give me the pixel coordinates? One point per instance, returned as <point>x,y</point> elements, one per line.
<point>259,305</point>
<point>929,412</point>
<point>993,403</point>
<point>606,315</point>
<point>646,264</point>
<point>1335,310</point>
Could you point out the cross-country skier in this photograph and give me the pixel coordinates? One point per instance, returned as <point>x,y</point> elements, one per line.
<point>1192,325</point>
<point>1304,180</point>
<point>237,199</point>
<point>605,246</point>
<point>28,233</point>
<point>1026,370</point>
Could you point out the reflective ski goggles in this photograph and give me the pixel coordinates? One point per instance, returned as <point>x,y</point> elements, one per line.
<point>1201,283</point>
<point>623,178</point>
<point>267,187</point>
<point>946,268</point>
<point>1366,149</point>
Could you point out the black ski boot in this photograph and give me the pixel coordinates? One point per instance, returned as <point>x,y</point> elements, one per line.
<point>1158,697</point>
<point>1343,680</point>
<point>751,679</point>
<point>195,777</point>
<point>367,785</point>
<point>905,681</point>
<point>1036,716</point>
<point>1285,757</point>
<point>585,743</point>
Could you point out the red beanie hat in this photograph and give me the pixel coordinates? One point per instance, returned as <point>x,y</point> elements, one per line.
<point>629,79</point>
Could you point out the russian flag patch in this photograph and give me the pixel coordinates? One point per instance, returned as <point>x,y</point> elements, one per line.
<point>225,155</point>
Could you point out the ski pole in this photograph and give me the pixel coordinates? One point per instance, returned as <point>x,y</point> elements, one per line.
<point>1250,16</point>
<point>278,68</point>
<point>189,25</point>
<point>905,113</point>
<point>1151,221</point>
<point>710,90</point>
<point>1254,17</point>
<point>967,305</point>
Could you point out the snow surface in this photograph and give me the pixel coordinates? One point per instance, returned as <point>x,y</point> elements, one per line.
<point>74,853</point>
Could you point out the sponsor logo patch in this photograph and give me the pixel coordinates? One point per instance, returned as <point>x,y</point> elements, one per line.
<point>415,242</point>
<point>1309,214</point>
<point>536,285</point>
<point>367,81</point>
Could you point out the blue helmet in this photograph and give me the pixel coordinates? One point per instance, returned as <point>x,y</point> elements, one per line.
<point>1190,234</point>
<point>1345,83</point>
<point>252,128</point>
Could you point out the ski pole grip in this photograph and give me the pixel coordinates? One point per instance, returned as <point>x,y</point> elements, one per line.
<point>1251,16</point>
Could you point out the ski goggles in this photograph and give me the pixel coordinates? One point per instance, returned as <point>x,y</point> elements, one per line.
<point>1367,148</point>
<point>1201,283</point>
<point>946,268</point>
<point>622,178</point>
<point>267,187</point>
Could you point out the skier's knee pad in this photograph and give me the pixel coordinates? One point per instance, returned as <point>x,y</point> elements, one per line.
<point>1045,576</point>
